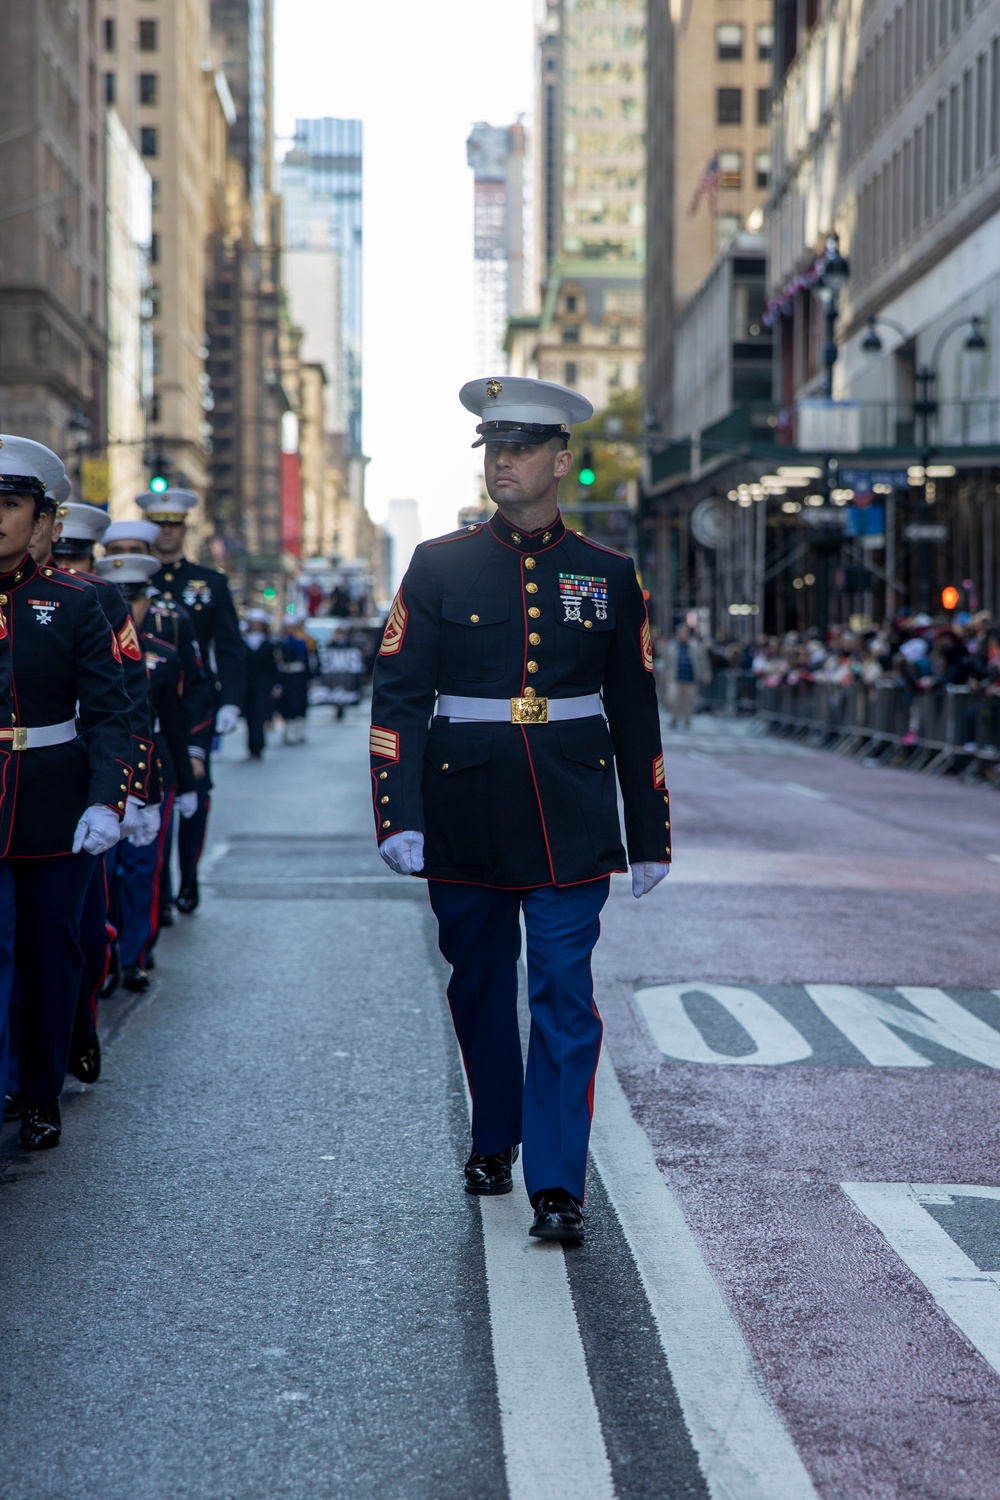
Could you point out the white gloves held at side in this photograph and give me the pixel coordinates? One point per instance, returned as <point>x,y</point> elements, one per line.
<point>132,821</point>
<point>404,852</point>
<point>187,804</point>
<point>646,876</point>
<point>147,830</point>
<point>227,718</point>
<point>97,831</point>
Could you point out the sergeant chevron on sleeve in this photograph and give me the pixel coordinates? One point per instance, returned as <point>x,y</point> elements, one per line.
<point>514,679</point>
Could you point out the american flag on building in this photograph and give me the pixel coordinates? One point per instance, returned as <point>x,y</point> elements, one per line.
<point>708,186</point>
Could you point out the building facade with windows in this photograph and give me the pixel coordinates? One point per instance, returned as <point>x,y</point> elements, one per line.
<point>496,154</point>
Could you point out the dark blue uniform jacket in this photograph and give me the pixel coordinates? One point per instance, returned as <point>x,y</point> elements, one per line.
<point>204,593</point>
<point>491,612</point>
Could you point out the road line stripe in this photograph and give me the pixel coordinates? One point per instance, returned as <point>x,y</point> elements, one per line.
<point>743,1447</point>
<point>548,1415</point>
<point>805,791</point>
<point>970,1297</point>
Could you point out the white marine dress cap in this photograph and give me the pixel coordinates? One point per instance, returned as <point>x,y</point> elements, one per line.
<point>133,567</point>
<point>513,409</point>
<point>82,523</point>
<point>167,505</point>
<point>28,467</point>
<point>131,531</point>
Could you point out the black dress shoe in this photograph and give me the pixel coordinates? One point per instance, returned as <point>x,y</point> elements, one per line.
<point>86,1064</point>
<point>41,1127</point>
<point>167,915</point>
<point>187,897</point>
<point>13,1107</point>
<point>135,977</point>
<point>150,961</point>
<point>489,1176</point>
<point>113,978</point>
<point>558,1217</point>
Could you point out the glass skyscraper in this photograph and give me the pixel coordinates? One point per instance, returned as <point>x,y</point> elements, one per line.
<point>321,192</point>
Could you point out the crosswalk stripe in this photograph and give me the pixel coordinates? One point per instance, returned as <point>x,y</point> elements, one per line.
<point>742,1444</point>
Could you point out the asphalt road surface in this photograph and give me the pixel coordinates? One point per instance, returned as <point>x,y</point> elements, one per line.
<point>250,1269</point>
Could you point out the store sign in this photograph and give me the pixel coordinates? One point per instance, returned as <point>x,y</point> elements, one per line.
<point>926,533</point>
<point>828,427</point>
<point>863,481</point>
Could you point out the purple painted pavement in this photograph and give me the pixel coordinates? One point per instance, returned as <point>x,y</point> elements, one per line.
<point>882,1394</point>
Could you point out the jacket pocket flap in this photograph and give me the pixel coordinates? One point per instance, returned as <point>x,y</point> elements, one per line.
<point>458,747</point>
<point>475,612</point>
<point>586,741</point>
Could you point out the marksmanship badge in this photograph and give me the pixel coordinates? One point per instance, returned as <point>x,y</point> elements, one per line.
<point>575,587</point>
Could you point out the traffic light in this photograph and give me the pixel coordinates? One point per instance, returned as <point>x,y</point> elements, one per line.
<point>270,595</point>
<point>950,597</point>
<point>159,467</point>
<point>587,475</point>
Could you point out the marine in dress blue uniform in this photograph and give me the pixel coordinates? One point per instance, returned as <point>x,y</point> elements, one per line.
<point>65,762</point>
<point>204,592</point>
<point>514,679</point>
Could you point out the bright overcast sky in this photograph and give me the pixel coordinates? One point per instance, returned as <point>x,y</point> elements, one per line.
<point>418,76</point>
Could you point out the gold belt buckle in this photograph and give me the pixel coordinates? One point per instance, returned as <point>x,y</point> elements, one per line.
<point>529,710</point>
<point>19,740</point>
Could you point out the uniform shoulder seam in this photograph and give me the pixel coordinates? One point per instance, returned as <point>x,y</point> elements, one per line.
<point>600,547</point>
<point>56,575</point>
<point>452,536</point>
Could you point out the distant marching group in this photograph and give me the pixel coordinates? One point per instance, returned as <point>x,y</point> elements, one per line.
<point>116,675</point>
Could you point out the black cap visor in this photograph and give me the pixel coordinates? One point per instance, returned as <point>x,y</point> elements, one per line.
<point>530,434</point>
<point>22,484</point>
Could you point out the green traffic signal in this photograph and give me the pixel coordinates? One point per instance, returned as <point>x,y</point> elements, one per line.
<point>587,476</point>
<point>158,484</point>
<point>270,594</point>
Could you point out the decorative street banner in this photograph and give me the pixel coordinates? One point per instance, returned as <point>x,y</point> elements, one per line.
<point>291,504</point>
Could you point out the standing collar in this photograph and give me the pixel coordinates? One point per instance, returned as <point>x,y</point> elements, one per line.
<point>527,541</point>
<point>26,568</point>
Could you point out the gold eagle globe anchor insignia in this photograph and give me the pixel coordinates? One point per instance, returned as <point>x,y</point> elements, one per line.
<point>493,389</point>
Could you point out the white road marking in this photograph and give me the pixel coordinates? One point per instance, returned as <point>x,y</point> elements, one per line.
<point>870,1024</point>
<point>548,1415</point>
<point>212,855</point>
<point>805,791</point>
<point>743,1447</point>
<point>677,1036</point>
<point>994,857</point>
<point>970,1297</point>
<point>310,879</point>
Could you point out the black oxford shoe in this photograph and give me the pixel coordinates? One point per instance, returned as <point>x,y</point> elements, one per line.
<point>167,915</point>
<point>41,1127</point>
<point>558,1217</point>
<point>489,1176</point>
<point>135,977</point>
<point>86,1064</point>
<point>187,898</point>
<point>13,1107</point>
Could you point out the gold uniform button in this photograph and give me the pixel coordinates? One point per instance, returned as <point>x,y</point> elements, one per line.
<point>529,562</point>
<point>3,598</point>
<point>532,588</point>
<point>387,824</point>
<point>588,624</point>
<point>122,806</point>
<point>444,765</point>
<point>142,765</point>
<point>383,776</point>
<point>532,666</point>
<point>47,571</point>
<point>474,619</point>
<point>534,638</point>
<point>603,762</point>
<point>383,800</point>
<point>534,612</point>
<point>169,577</point>
<point>666,825</point>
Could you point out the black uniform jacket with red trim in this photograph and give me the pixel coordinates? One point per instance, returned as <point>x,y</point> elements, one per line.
<point>204,592</point>
<point>65,664</point>
<point>492,612</point>
<point>171,623</point>
<point>134,671</point>
<point>170,725</point>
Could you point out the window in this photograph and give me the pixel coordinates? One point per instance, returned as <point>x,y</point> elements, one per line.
<point>953,141</point>
<point>614,334</point>
<point>571,333</point>
<point>729,106</point>
<point>765,43</point>
<point>148,41</point>
<point>154,248</point>
<point>730,169</point>
<point>149,140</point>
<point>153,296</point>
<point>966,125</point>
<point>614,376</point>
<point>762,170</point>
<point>569,373</point>
<point>154,409</point>
<point>763,106</point>
<point>109,88</point>
<point>157,355</point>
<point>571,304</point>
<point>729,42</point>
<point>980,111</point>
<point>109,35</point>
<point>149,88</point>
<point>154,194</point>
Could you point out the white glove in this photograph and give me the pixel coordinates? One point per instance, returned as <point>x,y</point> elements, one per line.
<point>97,831</point>
<point>149,827</point>
<point>187,804</point>
<point>645,877</point>
<point>227,718</point>
<point>404,853</point>
<point>132,821</point>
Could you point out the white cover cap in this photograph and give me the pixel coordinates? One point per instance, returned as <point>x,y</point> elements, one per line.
<point>514,409</point>
<point>83,523</point>
<point>135,567</point>
<point>167,505</point>
<point>131,531</point>
<point>21,458</point>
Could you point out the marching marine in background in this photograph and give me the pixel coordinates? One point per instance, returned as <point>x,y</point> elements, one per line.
<point>298,666</point>
<point>263,676</point>
<point>66,754</point>
<point>493,776</point>
<point>205,593</point>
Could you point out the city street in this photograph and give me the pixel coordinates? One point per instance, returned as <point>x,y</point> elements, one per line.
<point>250,1270</point>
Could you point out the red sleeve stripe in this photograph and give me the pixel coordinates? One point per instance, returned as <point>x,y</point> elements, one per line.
<point>383,742</point>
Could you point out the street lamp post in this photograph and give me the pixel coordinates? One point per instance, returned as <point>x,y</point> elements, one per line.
<point>836,273</point>
<point>925,405</point>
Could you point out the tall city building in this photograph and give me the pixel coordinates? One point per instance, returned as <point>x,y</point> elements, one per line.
<point>129,228</point>
<point>52,224</point>
<point>403,526</point>
<point>496,154</point>
<point>589,199</point>
<point>243,43</point>
<point>321,194</point>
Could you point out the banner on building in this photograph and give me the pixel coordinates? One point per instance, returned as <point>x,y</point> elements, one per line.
<point>95,481</point>
<point>291,504</point>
